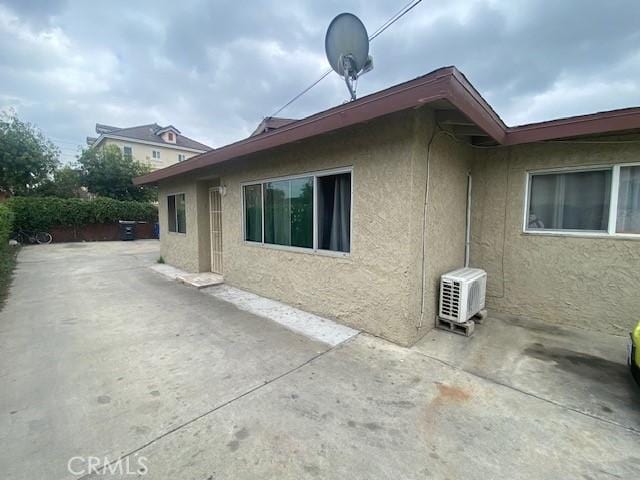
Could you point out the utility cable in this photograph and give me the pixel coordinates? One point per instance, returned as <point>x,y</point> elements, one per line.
<point>393,19</point>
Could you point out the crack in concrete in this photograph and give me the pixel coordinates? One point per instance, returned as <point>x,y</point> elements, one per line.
<point>215,409</point>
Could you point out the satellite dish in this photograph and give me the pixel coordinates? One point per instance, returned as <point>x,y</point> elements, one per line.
<point>347,47</point>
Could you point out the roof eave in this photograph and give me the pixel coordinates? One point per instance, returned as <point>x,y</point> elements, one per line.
<point>441,84</point>
<point>592,124</point>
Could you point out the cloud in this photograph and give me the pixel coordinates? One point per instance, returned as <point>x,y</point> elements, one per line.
<point>215,68</point>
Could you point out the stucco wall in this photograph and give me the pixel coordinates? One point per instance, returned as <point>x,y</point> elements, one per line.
<point>445,231</point>
<point>581,281</point>
<point>142,153</point>
<point>369,289</point>
<point>189,251</point>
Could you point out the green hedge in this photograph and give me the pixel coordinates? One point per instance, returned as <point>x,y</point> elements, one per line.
<point>6,227</point>
<point>42,213</point>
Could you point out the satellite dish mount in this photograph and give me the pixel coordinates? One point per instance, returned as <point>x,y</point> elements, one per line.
<point>347,47</point>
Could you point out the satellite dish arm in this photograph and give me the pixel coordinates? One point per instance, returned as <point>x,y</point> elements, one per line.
<point>350,73</point>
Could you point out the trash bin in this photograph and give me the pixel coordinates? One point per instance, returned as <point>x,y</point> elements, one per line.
<point>127,230</point>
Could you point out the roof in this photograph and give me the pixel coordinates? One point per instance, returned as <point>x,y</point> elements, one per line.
<point>269,124</point>
<point>150,133</point>
<point>445,89</point>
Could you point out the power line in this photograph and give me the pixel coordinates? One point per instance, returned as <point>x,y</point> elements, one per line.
<point>390,21</point>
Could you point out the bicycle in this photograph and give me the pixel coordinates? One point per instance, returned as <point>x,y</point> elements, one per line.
<point>30,237</point>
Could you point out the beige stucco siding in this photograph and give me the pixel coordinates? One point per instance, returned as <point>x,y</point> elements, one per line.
<point>369,288</point>
<point>582,281</point>
<point>143,153</point>
<point>189,251</point>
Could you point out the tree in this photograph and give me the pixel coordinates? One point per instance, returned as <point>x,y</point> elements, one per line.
<point>105,171</point>
<point>27,157</point>
<point>66,183</point>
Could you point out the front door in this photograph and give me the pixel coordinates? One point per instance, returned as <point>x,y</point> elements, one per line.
<point>215,221</point>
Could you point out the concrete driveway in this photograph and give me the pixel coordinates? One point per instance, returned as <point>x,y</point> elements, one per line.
<point>101,357</point>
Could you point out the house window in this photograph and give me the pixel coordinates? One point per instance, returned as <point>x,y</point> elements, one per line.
<point>176,213</point>
<point>155,154</point>
<point>628,214</point>
<point>312,212</point>
<point>127,152</point>
<point>181,157</point>
<point>253,213</point>
<point>599,200</point>
<point>171,137</point>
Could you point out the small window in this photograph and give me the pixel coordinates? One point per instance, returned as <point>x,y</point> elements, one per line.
<point>181,157</point>
<point>156,154</point>
<point>176,213</point>
<point>171,137</point>
<point>253,213</point>
<point>570,201</point>
<point>127,152</point>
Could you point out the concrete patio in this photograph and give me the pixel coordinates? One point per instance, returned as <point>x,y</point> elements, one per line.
<point>100,356</point>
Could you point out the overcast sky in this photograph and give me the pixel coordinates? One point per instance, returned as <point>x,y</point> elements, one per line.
<point>214,69</point>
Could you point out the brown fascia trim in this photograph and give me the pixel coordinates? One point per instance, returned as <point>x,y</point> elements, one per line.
<point>592,124</point>
<point>445,83</point>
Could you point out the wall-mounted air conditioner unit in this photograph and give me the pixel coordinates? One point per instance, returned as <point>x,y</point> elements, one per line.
<point>462,294</point>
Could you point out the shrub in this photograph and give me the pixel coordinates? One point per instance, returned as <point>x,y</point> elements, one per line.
<point>42,213</point>
<point>6,227</point>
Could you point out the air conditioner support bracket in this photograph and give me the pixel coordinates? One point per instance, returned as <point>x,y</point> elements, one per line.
<point>465,328</point>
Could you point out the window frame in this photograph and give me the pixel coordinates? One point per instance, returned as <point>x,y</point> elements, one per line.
<point>153,155</point>
<point>181,156</point>
<point>176,213</point>
<point>124,155</point>
<point>613,201</point>
<point>314,175</point>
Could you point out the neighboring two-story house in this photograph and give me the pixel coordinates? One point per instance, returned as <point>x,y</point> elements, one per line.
<point>152,144</point>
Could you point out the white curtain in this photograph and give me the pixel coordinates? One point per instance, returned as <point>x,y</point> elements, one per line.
<point>628,220</point>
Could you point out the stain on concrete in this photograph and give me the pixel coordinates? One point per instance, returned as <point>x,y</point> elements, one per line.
<point>579,363</point>
<point>606,409</point>
<point>449,393</point>
<point>154,393</point>
<point>233,445</point>
<point>351,423</point>
<point>535,326</point>
<point>13,412</point>
<point>312,469</point>
<point>242,433</point>
<point>140,429</point>
<point>104,399</point>
<point>373,426</point>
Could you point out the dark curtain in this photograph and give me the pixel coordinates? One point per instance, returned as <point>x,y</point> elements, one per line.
<point>334,212</point>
